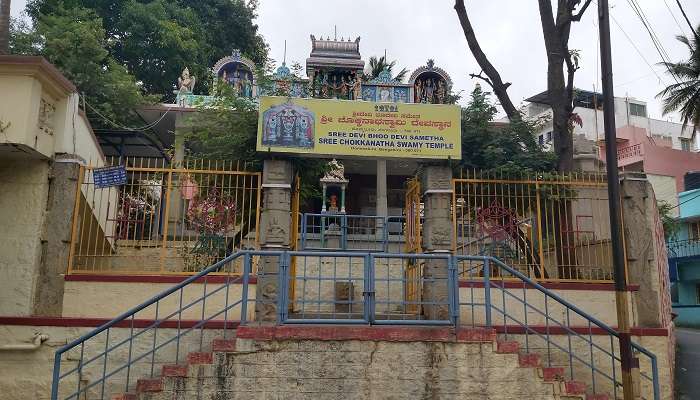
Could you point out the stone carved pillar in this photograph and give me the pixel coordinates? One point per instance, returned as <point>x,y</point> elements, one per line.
<point>437,237</point>
<point>647,259</point>
<point>275,225</point>
<point>56,236</point>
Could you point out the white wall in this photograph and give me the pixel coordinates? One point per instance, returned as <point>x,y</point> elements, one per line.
<point>593,127</point>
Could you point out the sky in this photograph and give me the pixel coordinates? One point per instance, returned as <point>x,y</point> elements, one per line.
<point>413,31</point>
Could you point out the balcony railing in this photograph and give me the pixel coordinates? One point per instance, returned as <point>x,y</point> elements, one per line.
<point>629,152</point>
<point>683,248</point>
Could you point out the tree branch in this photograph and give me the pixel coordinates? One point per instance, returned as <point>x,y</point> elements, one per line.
<point>577,17</point>
<point>483,78</point>
<point>571,71</point>
<point>499,88</point>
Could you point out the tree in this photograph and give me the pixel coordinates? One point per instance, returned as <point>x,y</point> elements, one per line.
<point>510,147</point>
<point>74,41</point>
<point>157,39</point>
<point>560,88</point>
<point>228,129</point>
<point>684,95</point>
<point>377,65</point>
<point>4,27</point>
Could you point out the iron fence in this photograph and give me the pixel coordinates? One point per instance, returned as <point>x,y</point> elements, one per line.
<point>166,218</point>
<point>547,226</point>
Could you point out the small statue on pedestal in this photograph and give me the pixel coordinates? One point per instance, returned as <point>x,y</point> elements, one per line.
<point>185,83</point>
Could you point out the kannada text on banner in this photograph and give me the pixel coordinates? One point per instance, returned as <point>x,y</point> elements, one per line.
<point>359,128</point>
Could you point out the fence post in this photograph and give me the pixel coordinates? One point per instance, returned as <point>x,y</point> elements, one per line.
<point>57,374</point>
<point>166,218</point>
<point>244,298</point>
<point>453,291</point>
<point>303,231</point>
<point>344,232</point>
<point>283,291</point>
<point>540,234</point>
<point>385,235</point>
<point>368,293</point>
<point>487,291</point>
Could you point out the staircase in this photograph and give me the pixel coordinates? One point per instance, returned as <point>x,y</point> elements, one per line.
<point>547,348</point>
<point>311,363</point>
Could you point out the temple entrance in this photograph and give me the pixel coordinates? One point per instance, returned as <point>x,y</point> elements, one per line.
<point>361,207</point>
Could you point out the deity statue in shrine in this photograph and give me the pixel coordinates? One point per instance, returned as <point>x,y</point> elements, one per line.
<point>441,92</point>
<point>429,90</point>
<point>333,203</point>
<point>418,91</point>
<point>324,87</point>
<point>343,88</point>
<point>356,88</point>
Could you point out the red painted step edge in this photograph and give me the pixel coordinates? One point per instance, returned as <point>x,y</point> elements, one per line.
<point>597,397</point>
<point>223,345</point>
<point>508,347</point>
<point>476,335</point>
<point>149,385</point>
<point>529,360</point>
<point>174,370</point>
<point>124,396</point>
<point>574,387</point>
<point>550,374</point>
<point>200,358</point>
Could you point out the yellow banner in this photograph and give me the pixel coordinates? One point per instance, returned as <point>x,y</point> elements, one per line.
<point>359,128</point>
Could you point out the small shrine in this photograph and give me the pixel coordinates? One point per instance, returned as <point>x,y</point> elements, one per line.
<point>333,184</point>
<point>238,72</point>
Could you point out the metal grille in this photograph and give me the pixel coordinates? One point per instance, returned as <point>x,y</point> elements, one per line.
<point>166,218</point>
<point>549,227</point>
<point>366,288</point>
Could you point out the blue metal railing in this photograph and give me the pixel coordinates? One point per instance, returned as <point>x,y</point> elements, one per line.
<point>346,232</point>
<point>146,334</point>
<point>347,287</point>
<point>683,248</point>
<point>521,299</point>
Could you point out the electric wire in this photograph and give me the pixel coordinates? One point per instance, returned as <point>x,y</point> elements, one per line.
<point>674,17</point>
<point>692,29</point>
<point>652,34</point>
<point>126,128</point>
<point>629,39</point>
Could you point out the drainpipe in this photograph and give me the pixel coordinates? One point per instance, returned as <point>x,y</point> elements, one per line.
<point>36,343</point>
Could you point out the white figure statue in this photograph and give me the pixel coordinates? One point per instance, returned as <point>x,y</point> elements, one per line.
<point>186,82</point>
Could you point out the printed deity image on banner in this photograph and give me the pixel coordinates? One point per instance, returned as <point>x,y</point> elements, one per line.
<point>288,125</point>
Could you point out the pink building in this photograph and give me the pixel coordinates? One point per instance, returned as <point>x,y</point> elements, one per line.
<point>664,165</point>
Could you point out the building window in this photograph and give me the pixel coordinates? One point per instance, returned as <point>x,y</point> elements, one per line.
<point>549,136</point>
<point>541,139</point>
<point>694,230</point>
<point>685,144</point>
<point>638,110</point>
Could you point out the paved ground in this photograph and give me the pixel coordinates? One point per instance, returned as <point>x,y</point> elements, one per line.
<point>688,364</point>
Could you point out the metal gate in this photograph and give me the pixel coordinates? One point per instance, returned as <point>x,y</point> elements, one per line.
<point>360,288</point>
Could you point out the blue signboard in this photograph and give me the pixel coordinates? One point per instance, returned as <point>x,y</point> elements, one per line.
<point>109,176</point>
